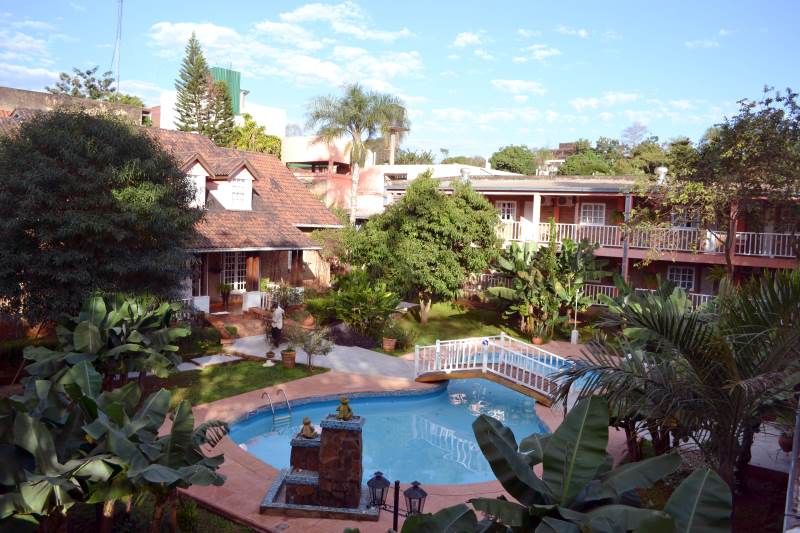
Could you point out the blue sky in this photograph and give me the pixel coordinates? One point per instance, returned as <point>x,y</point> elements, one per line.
<point>476,75</point>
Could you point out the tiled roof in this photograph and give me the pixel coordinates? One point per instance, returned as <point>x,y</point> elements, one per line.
<point>280,204</point>
<point>566,184</point>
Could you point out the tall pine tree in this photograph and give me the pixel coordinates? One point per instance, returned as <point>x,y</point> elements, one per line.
<point>220,125</point>
<point>193,89</point>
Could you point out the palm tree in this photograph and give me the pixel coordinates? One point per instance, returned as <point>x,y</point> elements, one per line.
<point>707,375</point>
<point>360,114</point>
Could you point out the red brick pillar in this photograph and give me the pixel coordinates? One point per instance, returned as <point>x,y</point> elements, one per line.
<point>340,466</point>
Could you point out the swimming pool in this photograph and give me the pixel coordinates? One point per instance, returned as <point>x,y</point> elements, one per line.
<point>425,437</point>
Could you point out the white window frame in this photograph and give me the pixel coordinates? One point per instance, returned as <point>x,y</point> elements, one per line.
<point>682,276</point>
<point>239,193</point>
<point>595,215</point>
<point>508,210</point>
<point>234,270</point>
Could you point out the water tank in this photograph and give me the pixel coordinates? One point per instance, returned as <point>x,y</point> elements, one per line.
<point>233,80</point>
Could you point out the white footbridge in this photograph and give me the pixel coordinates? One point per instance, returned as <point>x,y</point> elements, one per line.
<point>521,366</point>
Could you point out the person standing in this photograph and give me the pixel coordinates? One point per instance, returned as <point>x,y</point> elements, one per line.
<point>277,324</point>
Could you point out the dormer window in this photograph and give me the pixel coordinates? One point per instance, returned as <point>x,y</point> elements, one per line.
<point>199,182</point>
<point>241,191</point>
<point>238,191</point>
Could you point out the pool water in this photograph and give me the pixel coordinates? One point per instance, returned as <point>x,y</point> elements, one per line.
<point>427,437</point>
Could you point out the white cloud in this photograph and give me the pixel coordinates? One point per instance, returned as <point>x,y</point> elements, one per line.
<point>467,38</point>
<point>606,116</point>
<point>527,34</point>
<point>453,56</point>
<point>34,25</point>
<point>681,104</point>
<point>519,86</point>
<point>292,34</point>
<point>723,32</point>
<point>452,114</point>
<point>483,54</point>
<point>346,18</point>
<point>147,91</point>
<point>26,77</point>
<point>702,43</point>
<point>496,116</point>
<point>539,52</point>
<point>77,7</point>
<point>520,98</point>
<point>611,35</point>
<point>608,99</point>
<point>576,32</point>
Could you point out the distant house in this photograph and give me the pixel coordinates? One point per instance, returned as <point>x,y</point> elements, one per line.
<point>17,103</point>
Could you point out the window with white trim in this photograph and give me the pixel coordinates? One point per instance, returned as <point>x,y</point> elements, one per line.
<point>508,210</point>
<point>239,189</point>
<point>593,214</point>
<point>681,276</point>
<point>234,270</point>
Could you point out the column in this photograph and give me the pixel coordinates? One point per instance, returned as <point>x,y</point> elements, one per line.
<point>537,214</point>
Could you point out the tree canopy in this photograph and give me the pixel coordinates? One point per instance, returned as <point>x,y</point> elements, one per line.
<point>84,84</point>
<point>253,137</point>
<point>515,158</point>
<point>475,160</point>
<point>414,157</point>
<point>427,243</point>
<point>88,203</point>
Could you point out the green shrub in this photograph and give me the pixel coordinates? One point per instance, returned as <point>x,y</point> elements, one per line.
<point>187,515</point>
<point>322,307</point>
<point>200,341</point>
<point>364,305</point>
<point>232,331</point>
<point>407,338</point>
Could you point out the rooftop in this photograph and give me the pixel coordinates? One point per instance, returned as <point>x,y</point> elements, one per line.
<point>575,184</point>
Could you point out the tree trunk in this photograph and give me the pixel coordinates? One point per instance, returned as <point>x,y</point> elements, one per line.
<point>158,514</point>
<point>354,191</point>
<point>424,308</point>
<point>730,239</point>
<point>107,517</point>
<point>172,512</point>
<point>745,454</point>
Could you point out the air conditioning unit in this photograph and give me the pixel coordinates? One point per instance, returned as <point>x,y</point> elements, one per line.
<point>565,201</point>
<point>547,201</point>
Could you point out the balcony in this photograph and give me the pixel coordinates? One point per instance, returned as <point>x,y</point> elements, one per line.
<point>693,240</point>
<point>594,291</point>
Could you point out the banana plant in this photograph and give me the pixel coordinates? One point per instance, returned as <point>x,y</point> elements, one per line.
<point>579,489</point>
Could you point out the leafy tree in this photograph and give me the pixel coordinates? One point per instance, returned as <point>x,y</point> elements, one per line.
<point>294,130</point>
<point>84,84</point>
<point>75,218</point>
<point>475,160</point>
<point>712,374</point>
<point>579,489</point>
<point>582,146</point>
<point>219,121</point>
<point>252,137</point>
<point>681,157</point>
<point>362,304</point>
<point>515,158</point>
<point>361,115</point>
<point>648,155</point>
<point>586,163</point>
<point>193,91</point>
<point>414,157</point>
<point>428,242</point>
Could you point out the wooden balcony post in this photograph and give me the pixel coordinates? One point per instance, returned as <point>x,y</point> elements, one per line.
<point>536,216</point>
<point>625,244</point>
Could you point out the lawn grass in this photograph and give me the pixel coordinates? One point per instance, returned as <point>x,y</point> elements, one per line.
<point>222,381</point>
<point>452,321</point>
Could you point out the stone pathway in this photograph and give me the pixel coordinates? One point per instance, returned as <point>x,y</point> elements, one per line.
<point>348,359</point>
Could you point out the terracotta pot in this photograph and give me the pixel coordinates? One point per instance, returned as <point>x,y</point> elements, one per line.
<point>389,345</point>
<point>537,341</point>
<point>309,320</point>
<point>288,358</point>
<point>270,354</point>
<point>785,442</point>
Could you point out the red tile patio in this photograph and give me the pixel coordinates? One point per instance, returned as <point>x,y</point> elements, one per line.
<point>248,478</point>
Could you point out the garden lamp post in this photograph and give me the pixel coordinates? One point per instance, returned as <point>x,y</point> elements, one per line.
<point>414,496</point>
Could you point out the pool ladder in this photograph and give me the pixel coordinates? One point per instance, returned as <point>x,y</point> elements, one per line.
<point>279,420</point>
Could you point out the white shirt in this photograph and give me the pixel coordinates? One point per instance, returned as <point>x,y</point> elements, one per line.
<point>277,318</point>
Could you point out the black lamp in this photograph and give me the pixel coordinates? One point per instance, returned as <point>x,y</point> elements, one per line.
<point>415,498</point>
<point>378,489</point>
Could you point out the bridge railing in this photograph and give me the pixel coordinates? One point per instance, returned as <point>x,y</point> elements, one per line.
<point>519,362</point>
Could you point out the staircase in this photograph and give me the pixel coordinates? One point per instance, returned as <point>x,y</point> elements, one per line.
<point>518,365</point>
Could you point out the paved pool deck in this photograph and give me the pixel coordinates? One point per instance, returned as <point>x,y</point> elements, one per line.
<point>248,478</point>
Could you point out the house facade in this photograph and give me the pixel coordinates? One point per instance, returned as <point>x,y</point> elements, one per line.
<point>595,208</point>
<point>256,225</point>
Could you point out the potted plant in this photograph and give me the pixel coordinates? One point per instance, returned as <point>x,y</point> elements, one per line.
<point>225,291</point>
<point>537,333</point>
<point>786,439</point>
<point>294,337</point>
<point>315,342</point>
<point>391,332</point>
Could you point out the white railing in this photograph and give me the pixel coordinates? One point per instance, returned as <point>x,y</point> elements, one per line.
<point>481,282</point>
<point>465,452</point>
<point>294,295</point>
<point>594,290</point>
<point>785,245</point>
<point>519,362</point>
<point>767,244</point>
<point>696,298</point>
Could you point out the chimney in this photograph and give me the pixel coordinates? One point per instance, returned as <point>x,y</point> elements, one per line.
<point>661,175</point>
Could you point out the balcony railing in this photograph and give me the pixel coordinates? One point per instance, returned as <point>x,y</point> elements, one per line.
<point>594,290</point>
<point>783,245</point>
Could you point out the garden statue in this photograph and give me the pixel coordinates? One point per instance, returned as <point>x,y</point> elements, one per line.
<point>308,431</point>
<point>343,412</point>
